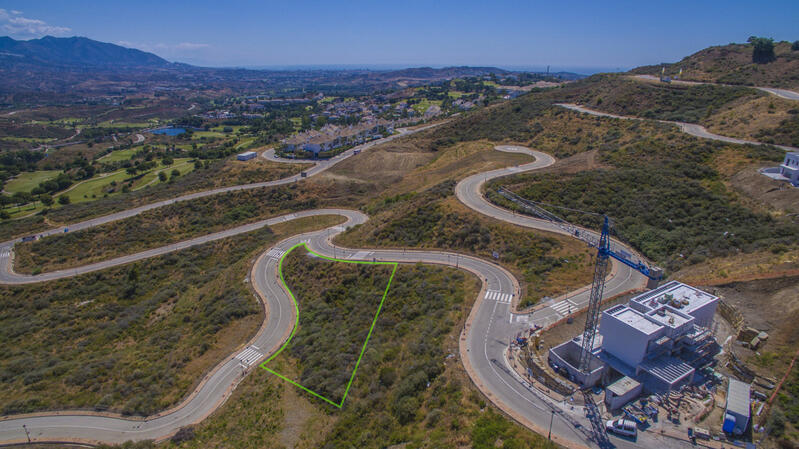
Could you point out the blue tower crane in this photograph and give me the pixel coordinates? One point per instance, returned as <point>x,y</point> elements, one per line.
<point>604,252</point>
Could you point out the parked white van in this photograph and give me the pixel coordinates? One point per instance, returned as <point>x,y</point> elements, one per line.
<point>622,427</point>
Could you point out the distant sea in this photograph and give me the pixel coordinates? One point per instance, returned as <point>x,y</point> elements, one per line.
<point>384,67</point>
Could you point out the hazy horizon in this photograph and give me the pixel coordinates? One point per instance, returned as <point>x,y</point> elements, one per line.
<point>602,37</point>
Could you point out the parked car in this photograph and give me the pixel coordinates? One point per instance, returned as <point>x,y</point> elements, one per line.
<point>622,427</point>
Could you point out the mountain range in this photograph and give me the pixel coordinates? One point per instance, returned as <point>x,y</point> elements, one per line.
<point>74,51</point>
<point>66,69</point>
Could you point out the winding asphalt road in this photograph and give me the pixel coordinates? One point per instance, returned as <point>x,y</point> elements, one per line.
<point>688,128</point>
<point>6,248</point>
<point>483,343</point>
<point>781,93</point>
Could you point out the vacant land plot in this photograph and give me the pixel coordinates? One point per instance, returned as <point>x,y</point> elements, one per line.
<point>338,304</point>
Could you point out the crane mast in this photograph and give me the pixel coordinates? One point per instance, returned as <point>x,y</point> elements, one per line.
<point>604,253</point>
<point>597,289</point>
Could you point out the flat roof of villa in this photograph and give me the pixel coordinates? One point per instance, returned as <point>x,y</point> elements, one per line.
<point>694,297</point>
<point>634,319</point>
<point>669,317</point>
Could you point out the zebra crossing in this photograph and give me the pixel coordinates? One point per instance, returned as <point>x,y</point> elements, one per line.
<point>5,252</point>
<point>361,255</point>
<point>498,296</point>
<point>275,253</point>
<point>249,356</point>
<point>564,307</point>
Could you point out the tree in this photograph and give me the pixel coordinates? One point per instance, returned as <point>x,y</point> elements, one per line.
<point>46,199</point>
<point>795,46</point>
<point>21,198</point>
<point>167,161</point>
<point>763,49</point>
<point>63,199</point>
<point>175,173</point>
<point>161,176</point>
<point>131,170</point>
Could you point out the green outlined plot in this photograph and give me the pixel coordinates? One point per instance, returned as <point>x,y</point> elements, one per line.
<point>319,325</point>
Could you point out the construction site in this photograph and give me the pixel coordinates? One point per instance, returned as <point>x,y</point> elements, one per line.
<point>661,360</point>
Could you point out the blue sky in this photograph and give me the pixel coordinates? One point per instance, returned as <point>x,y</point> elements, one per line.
<point>566,35</point>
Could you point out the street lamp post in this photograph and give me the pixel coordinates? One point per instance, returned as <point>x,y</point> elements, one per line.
<point>551,418</point>
<point>27,434</point>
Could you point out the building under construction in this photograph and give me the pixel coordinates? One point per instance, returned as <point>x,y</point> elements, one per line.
<point>660,338</point>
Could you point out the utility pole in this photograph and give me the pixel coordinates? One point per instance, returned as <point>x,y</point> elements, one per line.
<point>551,418</point>
<point>28,434</point>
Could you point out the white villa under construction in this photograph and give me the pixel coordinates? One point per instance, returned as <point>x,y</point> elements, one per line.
<point>790,168</point>
<point>660,338</point>
<point>787,171</point>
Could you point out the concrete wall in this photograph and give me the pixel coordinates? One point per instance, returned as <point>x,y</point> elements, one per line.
<point>703,316</point>
<point>623,341</point>
<point>567,356</point>
<point>616,402</point>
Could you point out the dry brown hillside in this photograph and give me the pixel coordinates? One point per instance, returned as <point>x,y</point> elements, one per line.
<point>732,64</point>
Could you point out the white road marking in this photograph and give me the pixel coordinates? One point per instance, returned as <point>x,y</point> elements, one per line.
<point>249,356</point>
<point>275,253</point>
<point>498,296</point>
<point>564,307</point>
<point>361,255</point>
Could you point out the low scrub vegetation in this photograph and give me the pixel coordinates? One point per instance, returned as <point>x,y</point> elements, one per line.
<point>125,339</point>
<point>666,198</point>
<point>338,302</point>
<point>619,95</point>
<point>132,339</point>
<point>736,64</point>
<point>786,133</point>
<point>158,227</point>
<point>410,390</point>
<point>547,265</point>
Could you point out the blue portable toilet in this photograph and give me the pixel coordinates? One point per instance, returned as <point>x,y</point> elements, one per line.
<point>729,423</point>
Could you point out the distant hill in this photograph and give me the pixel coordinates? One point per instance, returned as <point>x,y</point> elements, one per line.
<point>445,72</point>
<point>732,64</point>
<point>74,51</point>
<point>62,70</point>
